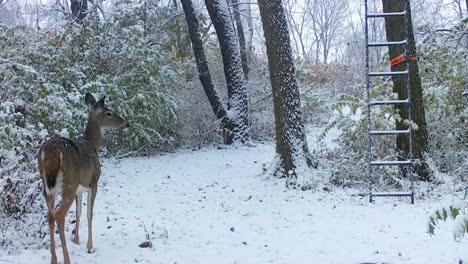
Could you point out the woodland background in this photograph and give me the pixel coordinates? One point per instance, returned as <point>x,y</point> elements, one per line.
<point>139,54</point>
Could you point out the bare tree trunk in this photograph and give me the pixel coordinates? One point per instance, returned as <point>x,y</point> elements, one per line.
<point>327,17</point>
<point>291,144</point>
<point>250,29</point>
<point>297,28</point>
<point>326,49</point>
<point>396,29</point>
<point>79,9</point>
<point>458,4</point>
<point>235,79</point>
<point>202,64</point>
<point>240,34</point>
<point>293,34</point>
<point>317,52</point>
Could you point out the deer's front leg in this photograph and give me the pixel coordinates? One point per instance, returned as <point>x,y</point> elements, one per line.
<point>78,200</point>
<point>91,198</point>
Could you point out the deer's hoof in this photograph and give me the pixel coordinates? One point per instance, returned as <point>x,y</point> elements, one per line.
<point>91,250</point>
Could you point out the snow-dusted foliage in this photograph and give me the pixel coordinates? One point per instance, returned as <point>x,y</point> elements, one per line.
<point>458,214</point>
<point>443,75</point>
<point>350,116</point>
<point>45,74</point>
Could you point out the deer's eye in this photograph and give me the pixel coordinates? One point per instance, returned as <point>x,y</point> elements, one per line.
<point>108,114</point>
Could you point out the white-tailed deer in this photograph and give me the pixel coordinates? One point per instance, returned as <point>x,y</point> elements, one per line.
<point>72,167</point>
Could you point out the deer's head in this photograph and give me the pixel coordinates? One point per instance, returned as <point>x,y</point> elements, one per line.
<point>103,116</point>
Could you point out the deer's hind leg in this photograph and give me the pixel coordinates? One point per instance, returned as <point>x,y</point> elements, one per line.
<point>78,200</point>
<point>50,199</point>
<point>68,196</point>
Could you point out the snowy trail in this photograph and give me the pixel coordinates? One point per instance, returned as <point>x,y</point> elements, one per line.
<point>212,206</point>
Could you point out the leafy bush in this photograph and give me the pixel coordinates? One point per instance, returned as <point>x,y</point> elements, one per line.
<point>43,79</point>
<point>443,75</point>
<point>459,215</point>
<point>444,78</point>
<point>351,118</point>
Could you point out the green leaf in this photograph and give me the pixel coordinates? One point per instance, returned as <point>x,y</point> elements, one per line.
<point>439,217</point>
<point>444,214</point>
<point>454,212</point>
<point>431,229</point>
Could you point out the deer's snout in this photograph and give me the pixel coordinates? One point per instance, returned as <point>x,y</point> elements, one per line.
<point>126,125</point>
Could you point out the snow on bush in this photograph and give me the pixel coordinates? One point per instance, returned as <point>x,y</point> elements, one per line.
<point>43,78</point>
<point>457,213</point>
<point>443,75</point>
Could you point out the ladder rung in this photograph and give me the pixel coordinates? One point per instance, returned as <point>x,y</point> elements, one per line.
<point>395,73</point>
<point>386,14</point>
<point>382,194</point>
<point>390,162</point>
<point>389,132</point>
<point>389,43</point>
<point>389,102</point>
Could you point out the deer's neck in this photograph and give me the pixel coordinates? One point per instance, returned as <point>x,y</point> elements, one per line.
<point>93,134</point>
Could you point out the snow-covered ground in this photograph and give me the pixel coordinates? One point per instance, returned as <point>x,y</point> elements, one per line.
<point>214,206</point>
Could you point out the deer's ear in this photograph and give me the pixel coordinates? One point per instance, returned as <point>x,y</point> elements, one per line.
<point>100,103</point>
<point>90,101</point>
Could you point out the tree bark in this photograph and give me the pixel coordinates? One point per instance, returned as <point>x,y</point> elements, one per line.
<point>396,31</point>
<point>291,144</point>
<point>202,64</point>
<point>79,9</point>
<point>241,36</point>
<point>250,30</point>
<point>235,79</point>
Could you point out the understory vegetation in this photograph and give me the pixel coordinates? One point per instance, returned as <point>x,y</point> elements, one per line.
<point>140,60</point>
<point>443,73</point>
<point>44,76</point>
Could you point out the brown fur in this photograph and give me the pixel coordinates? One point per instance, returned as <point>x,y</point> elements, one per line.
<point>65,165</point>
<point>50,166</point>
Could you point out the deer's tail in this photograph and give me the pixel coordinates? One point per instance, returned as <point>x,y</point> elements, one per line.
<point>50,162</point>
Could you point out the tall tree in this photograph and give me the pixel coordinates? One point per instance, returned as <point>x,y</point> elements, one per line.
<point>250,30</point>
<point>397,30</point>
<point>291,145</point>
<point>202,63</point>
<point>241,36</point>
<point>79,9</point>
<point>232,63</point>
<point>204,72</point>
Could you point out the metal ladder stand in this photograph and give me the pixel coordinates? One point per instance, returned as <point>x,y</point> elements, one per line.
<point>370,104</point>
